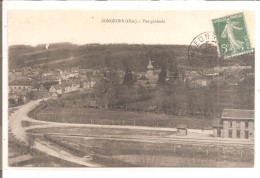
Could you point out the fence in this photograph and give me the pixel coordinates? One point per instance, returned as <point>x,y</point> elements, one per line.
<point>83,119</point>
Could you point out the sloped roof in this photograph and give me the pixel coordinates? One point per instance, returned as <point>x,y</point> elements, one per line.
<point>181,126</point>
<point>55,94</point>
<point>238,114</point>
<point>58,87</point>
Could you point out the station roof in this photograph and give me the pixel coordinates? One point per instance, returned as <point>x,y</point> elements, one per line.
<point>181,126</point>
<point>238,114</point>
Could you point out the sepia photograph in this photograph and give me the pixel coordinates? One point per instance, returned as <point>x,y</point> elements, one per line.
<point>128,88</point>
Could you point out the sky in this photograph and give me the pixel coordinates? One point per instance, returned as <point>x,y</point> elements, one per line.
<point>33,27</point>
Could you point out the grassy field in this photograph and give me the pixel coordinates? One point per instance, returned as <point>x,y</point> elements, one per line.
<point>118,117</point>
<point>114,152</point>
<point>103,131</point>
<point>175,161</point>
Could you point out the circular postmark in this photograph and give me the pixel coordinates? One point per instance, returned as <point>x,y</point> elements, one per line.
<point>202,52</point>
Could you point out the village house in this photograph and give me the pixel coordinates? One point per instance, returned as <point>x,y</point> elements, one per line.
<point>88,84</point>
<point>75,69</point>
<point>75,85</point>
<point>65,75</point>
<point>74,75</point>
<point>234,123</point>
<point>56,88</point>
<point>199,81</point>
<point>55,95</point>
<point>140,75</point>
<point>67,87</point>
<point>151,84</point>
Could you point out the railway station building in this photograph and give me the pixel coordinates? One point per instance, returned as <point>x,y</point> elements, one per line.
<point>182,129</point>
<point>234,123</point>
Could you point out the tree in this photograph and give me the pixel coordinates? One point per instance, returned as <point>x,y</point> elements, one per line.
<point>162,76</point>
<point>107,87</point>
<point>176,73</point>
<point>128,78</point>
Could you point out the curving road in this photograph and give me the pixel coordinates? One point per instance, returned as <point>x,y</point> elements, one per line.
<point>15,124</point>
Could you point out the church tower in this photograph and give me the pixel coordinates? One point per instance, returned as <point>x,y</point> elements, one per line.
<point>150,65</point>
<point>149,72</point>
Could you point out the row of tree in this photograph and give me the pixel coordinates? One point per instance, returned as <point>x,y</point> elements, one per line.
<point>175,97</point>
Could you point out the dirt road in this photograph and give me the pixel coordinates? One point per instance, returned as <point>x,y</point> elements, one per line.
<point>19,133</point>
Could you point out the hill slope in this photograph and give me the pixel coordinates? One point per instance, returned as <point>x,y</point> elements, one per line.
<point>66,55</point>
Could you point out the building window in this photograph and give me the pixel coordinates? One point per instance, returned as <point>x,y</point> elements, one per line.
<point>246,125</point>
<point>238,133</point>
<point>238,124</point>
<point>246,134</point>
<point>230,134</point>
<point>230,124</point>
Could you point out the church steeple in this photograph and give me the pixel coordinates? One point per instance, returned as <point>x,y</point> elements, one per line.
<point>150,65</point>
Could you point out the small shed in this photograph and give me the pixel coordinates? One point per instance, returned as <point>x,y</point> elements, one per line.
<point>93,104</point>
<point>182,129</point>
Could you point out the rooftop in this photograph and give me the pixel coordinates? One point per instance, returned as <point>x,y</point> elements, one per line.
<point>181,126</point>
<point>238,114</point>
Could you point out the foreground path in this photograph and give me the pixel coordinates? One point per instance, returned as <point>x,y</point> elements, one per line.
<point>15,124</point>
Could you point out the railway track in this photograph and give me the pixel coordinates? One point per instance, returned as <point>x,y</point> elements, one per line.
<point>174,140</point>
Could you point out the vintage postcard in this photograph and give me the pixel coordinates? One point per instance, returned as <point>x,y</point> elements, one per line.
<point>92,88</point>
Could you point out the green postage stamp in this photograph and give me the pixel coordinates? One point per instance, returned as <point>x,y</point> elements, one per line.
<point>231,34</point>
